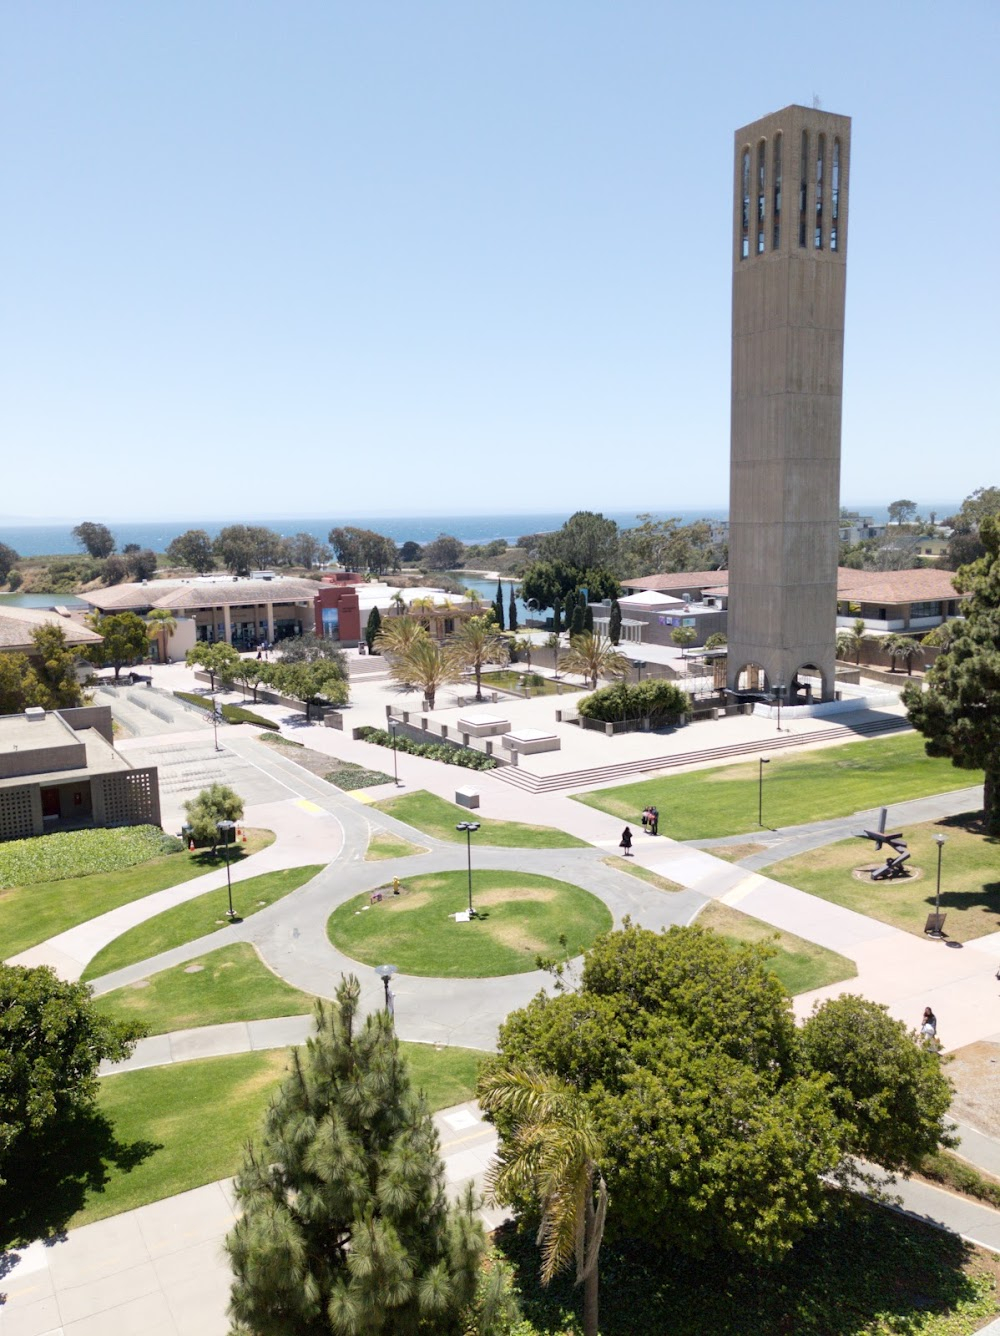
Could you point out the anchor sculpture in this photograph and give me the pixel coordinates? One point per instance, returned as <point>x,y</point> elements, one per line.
<point>895,865</point>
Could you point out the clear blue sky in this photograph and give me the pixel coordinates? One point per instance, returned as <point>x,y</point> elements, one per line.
<point>319,257</point>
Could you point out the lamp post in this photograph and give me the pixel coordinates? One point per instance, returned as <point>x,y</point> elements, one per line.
<point>779,692</point>
<point>939,840</point>
<point>225,827</point>
<point>639,665</point>
<point>215,724</point>
<point>385,973</point>
<point>532,607</point>
<point>395,770</point>
<point>762,761</point>
<point>469,827</point>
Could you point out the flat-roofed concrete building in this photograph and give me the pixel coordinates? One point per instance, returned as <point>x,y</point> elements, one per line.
<point>790,215</point>
<point>59,771</point>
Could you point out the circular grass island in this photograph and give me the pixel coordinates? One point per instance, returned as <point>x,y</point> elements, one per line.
<point>520,916</point>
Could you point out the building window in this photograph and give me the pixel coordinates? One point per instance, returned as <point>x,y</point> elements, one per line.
<point>331,623</point>
<point>925,609</point>
<point>803,186</point>
<point>776,177</point>
<point>761,177</point>
<point>745,239</point>
<point>835,195</point>
<point>820,154</point>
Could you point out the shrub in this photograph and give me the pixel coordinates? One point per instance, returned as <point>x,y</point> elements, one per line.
<point>216,803</point>
<point>236,714</point>
<point>351,777</point>
<point>14,580</point>
<point>75,853</point>
<point>659,701</point>
<point>202,702</point>
<point>449,753</point>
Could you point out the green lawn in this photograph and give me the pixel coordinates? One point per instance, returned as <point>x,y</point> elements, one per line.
<point>522,917</point>
<point>230,984</point>
<point>75,853</point>
<point>383,844</point>
<point>643,873</point>
<point>433,815</point>
<point>195,918</point>
<point>199,1115</point>
<point>539,685</point>
<point>32,914</point>
<point>808,786</point>
<point>800,965</point>
<point>970,879</point>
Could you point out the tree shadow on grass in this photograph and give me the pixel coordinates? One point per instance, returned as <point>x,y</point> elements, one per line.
<point>49,1178</point>
<point>864,1266</point>
<point>971,823</point>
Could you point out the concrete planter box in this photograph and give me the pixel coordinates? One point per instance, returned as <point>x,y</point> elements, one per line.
<point>527,741</point>
<point>467,797</point>
<point>483,725</point>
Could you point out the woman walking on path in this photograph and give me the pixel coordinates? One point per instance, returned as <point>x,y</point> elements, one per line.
<point>626,843</point>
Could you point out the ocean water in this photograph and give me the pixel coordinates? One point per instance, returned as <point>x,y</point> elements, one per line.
<point>45,539</point>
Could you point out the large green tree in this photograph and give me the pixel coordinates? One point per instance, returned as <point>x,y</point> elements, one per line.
<point>551,582</point>
<point>587,541</point>
<point>192,548</point>
<point>315,683</point>
<point>958,706</point>
<point>364,549</point>
<point>243,548</point>
<point>126,640</point>
<point>96,539</point>
<point>217,658</point>
<point>54,665</point>
<point>443,554</point>
<point>718,1122</point>
<point>8,559</point>
<point>53,1140</point>
<point>204,812</point>
<point>345,1226</point>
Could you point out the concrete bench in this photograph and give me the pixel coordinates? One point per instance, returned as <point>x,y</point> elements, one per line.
<point>467,797</point>
<point>482,725</point>
<point>527,741</point>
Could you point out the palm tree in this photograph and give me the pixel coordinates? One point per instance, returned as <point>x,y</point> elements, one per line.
<point>910,651</point>
<point>425,604</point>
<point>398,603</point>
<point>553,1153</point>
<point>160,626</point>
<point>396,636</point>
<point>478,643</point>
<point>854,640</point>
<point>553,643</point>
<point>524,645</point>
<point>593,656</point>
<point>427,665</point>
<point>474,598</point>
<point>942,636</point>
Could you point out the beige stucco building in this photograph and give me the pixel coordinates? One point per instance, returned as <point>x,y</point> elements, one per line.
<point>59,771</point>
<point>790,215</point>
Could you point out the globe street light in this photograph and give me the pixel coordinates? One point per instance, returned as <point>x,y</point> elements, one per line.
<point>225,827</point>
<point>939,840</point>
<point>469,827</point>
<point>762,762</point>
<point>385,973</point>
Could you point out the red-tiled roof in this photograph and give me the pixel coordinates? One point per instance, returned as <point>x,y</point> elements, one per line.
<point>860,586</point>
<point>682,582</point>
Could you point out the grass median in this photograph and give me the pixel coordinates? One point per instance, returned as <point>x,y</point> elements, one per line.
<point>520,916</point>
<point>807,786</point>
<point>435,816</point>
<point>196,1117</point>
<point>33,914</point>
<point>970,878</point>
<point>198,917</point>
<point>800,965</point>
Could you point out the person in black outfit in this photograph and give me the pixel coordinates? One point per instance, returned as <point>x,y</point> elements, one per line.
<point>626,843</point>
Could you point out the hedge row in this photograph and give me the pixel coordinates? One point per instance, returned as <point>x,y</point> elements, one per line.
<point>75,853</point>
<point>433,751</point>
<point>232,714</point>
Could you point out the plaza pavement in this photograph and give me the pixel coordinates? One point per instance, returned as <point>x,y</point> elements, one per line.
<point>160,1272</point>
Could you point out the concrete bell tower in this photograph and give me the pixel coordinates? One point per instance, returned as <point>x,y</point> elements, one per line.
<point>790,214</point>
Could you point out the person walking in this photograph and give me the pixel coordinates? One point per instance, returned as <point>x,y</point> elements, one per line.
<point>626,843</point>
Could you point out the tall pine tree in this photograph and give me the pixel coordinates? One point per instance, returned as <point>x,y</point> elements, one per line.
<point>345,1227</point>
<point>498,606</point>
<point>373,627</point>
<point>615,626</point>
<point>512,611</point>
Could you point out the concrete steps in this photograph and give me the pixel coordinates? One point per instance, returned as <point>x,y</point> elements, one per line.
<point>603,774</point>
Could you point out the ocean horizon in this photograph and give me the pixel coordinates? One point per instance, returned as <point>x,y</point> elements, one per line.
<point>33,540</point>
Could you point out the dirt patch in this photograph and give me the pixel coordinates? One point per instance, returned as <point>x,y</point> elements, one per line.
<point>975,1071</point>
<point>517,937</point>
<point>508,894</point>
<point>735,853</point>
<point>274,1069</point>
<point>405,900</point>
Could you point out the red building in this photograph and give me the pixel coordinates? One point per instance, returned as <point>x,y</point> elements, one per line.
<point>338,614</point>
